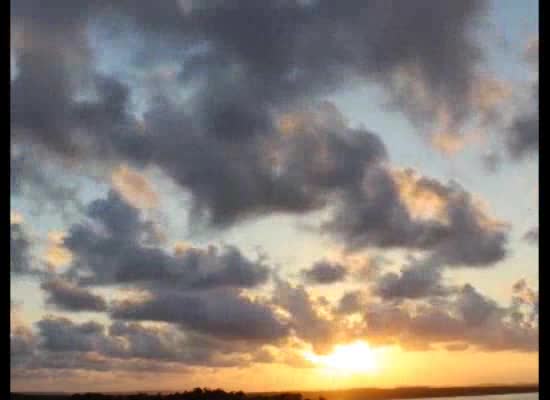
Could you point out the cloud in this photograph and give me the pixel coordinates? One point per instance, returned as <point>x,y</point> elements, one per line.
<point>200,329</point>
<point>467,317</point>
<point>180,247</point>
<point>56,255</point>
<point>525,303</point>
<point>488,95</point>
<point>69,297</point>
<point>447,143</point>
<point>21,347</point>
<point>110,250</point>
<point>453,143</point>
<point>424,198</point>
<point>475,238</point>
<point>513,111</point>
<point>198,290</point>
<point>474,308</point>
<point>47,107</point>
<point>351,302</point>
<point>523,138</point>
<point>241,86</point>
<point>324,272</point>
<point>20,257</point>
<point>420,279</point>
<point>22,340</point>
<point>116,216</point>
<point>165,343</point>
<point>16,218</point>
<point>308,319</point>
<point>260,103</point>
<point>148,343</point>
<point>134,188</point>
<point>222,314</point>
<point>267,174</point>
<point>457,347</point>
<point>402,209</point>
<point>62,344</point>
<point>60,334</point>
<point>523,131</point>
<point>416,212</point>
<point>345,45</point>
<point>33,178</point>
<point>532,235</point>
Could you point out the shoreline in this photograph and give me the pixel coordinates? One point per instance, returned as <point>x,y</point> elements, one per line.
<point>335,394</point>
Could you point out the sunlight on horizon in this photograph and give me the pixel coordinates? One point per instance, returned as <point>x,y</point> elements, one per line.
<point>356,357</point>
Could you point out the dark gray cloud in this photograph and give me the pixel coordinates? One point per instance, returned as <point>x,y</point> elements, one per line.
<point>22,345</point>
<point>22,340</point>
<point>69,297</point>
<point>324,272</point>
<point>68,364</point>
<point>375,214</point>
<point>45,109</point>
<point>532,236</point>
<point>520,132</point>
<point>60,343</point>
<point>223,314</point>
<point>110,249</point>
<point>523,131</point>
<point>416,280</point>
<point>283,60</point>
<point>351,302</point>
<point>20,256</point>
<point>243,75</point>
<point>169,344</point>
<point>116,216</point>
<point>468,318</point>
<point>293,172</point>
<point>40,105</point>
<point>306,320</point>
<point>147,343</point>
<point>523,134</point>
<point>474,308</point>
<point>127,341</point>
<point>525,303</point>
<point>319,158</point>
<point>473,239</point>
<point>58,334</point>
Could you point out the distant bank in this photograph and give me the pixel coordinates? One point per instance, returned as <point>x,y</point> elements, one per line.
<point>347,394</point>
<point>417,392</point>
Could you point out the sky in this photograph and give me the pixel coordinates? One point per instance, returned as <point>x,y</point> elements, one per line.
<point>275,195</point>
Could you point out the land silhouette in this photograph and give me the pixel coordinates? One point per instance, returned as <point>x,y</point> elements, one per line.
<point>348,394</point>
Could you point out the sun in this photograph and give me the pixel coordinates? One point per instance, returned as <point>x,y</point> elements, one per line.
<point>355,357</point>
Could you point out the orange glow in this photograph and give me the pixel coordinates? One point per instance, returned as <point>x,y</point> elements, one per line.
<point>421,201</point>
<point>356,357</point>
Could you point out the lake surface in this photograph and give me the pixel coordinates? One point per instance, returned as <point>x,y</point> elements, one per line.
<point>524,396</point>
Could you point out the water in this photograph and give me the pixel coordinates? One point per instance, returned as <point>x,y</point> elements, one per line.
<point>525,396</point>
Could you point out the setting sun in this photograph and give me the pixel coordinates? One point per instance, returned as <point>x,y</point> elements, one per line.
<point>353,357</point>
